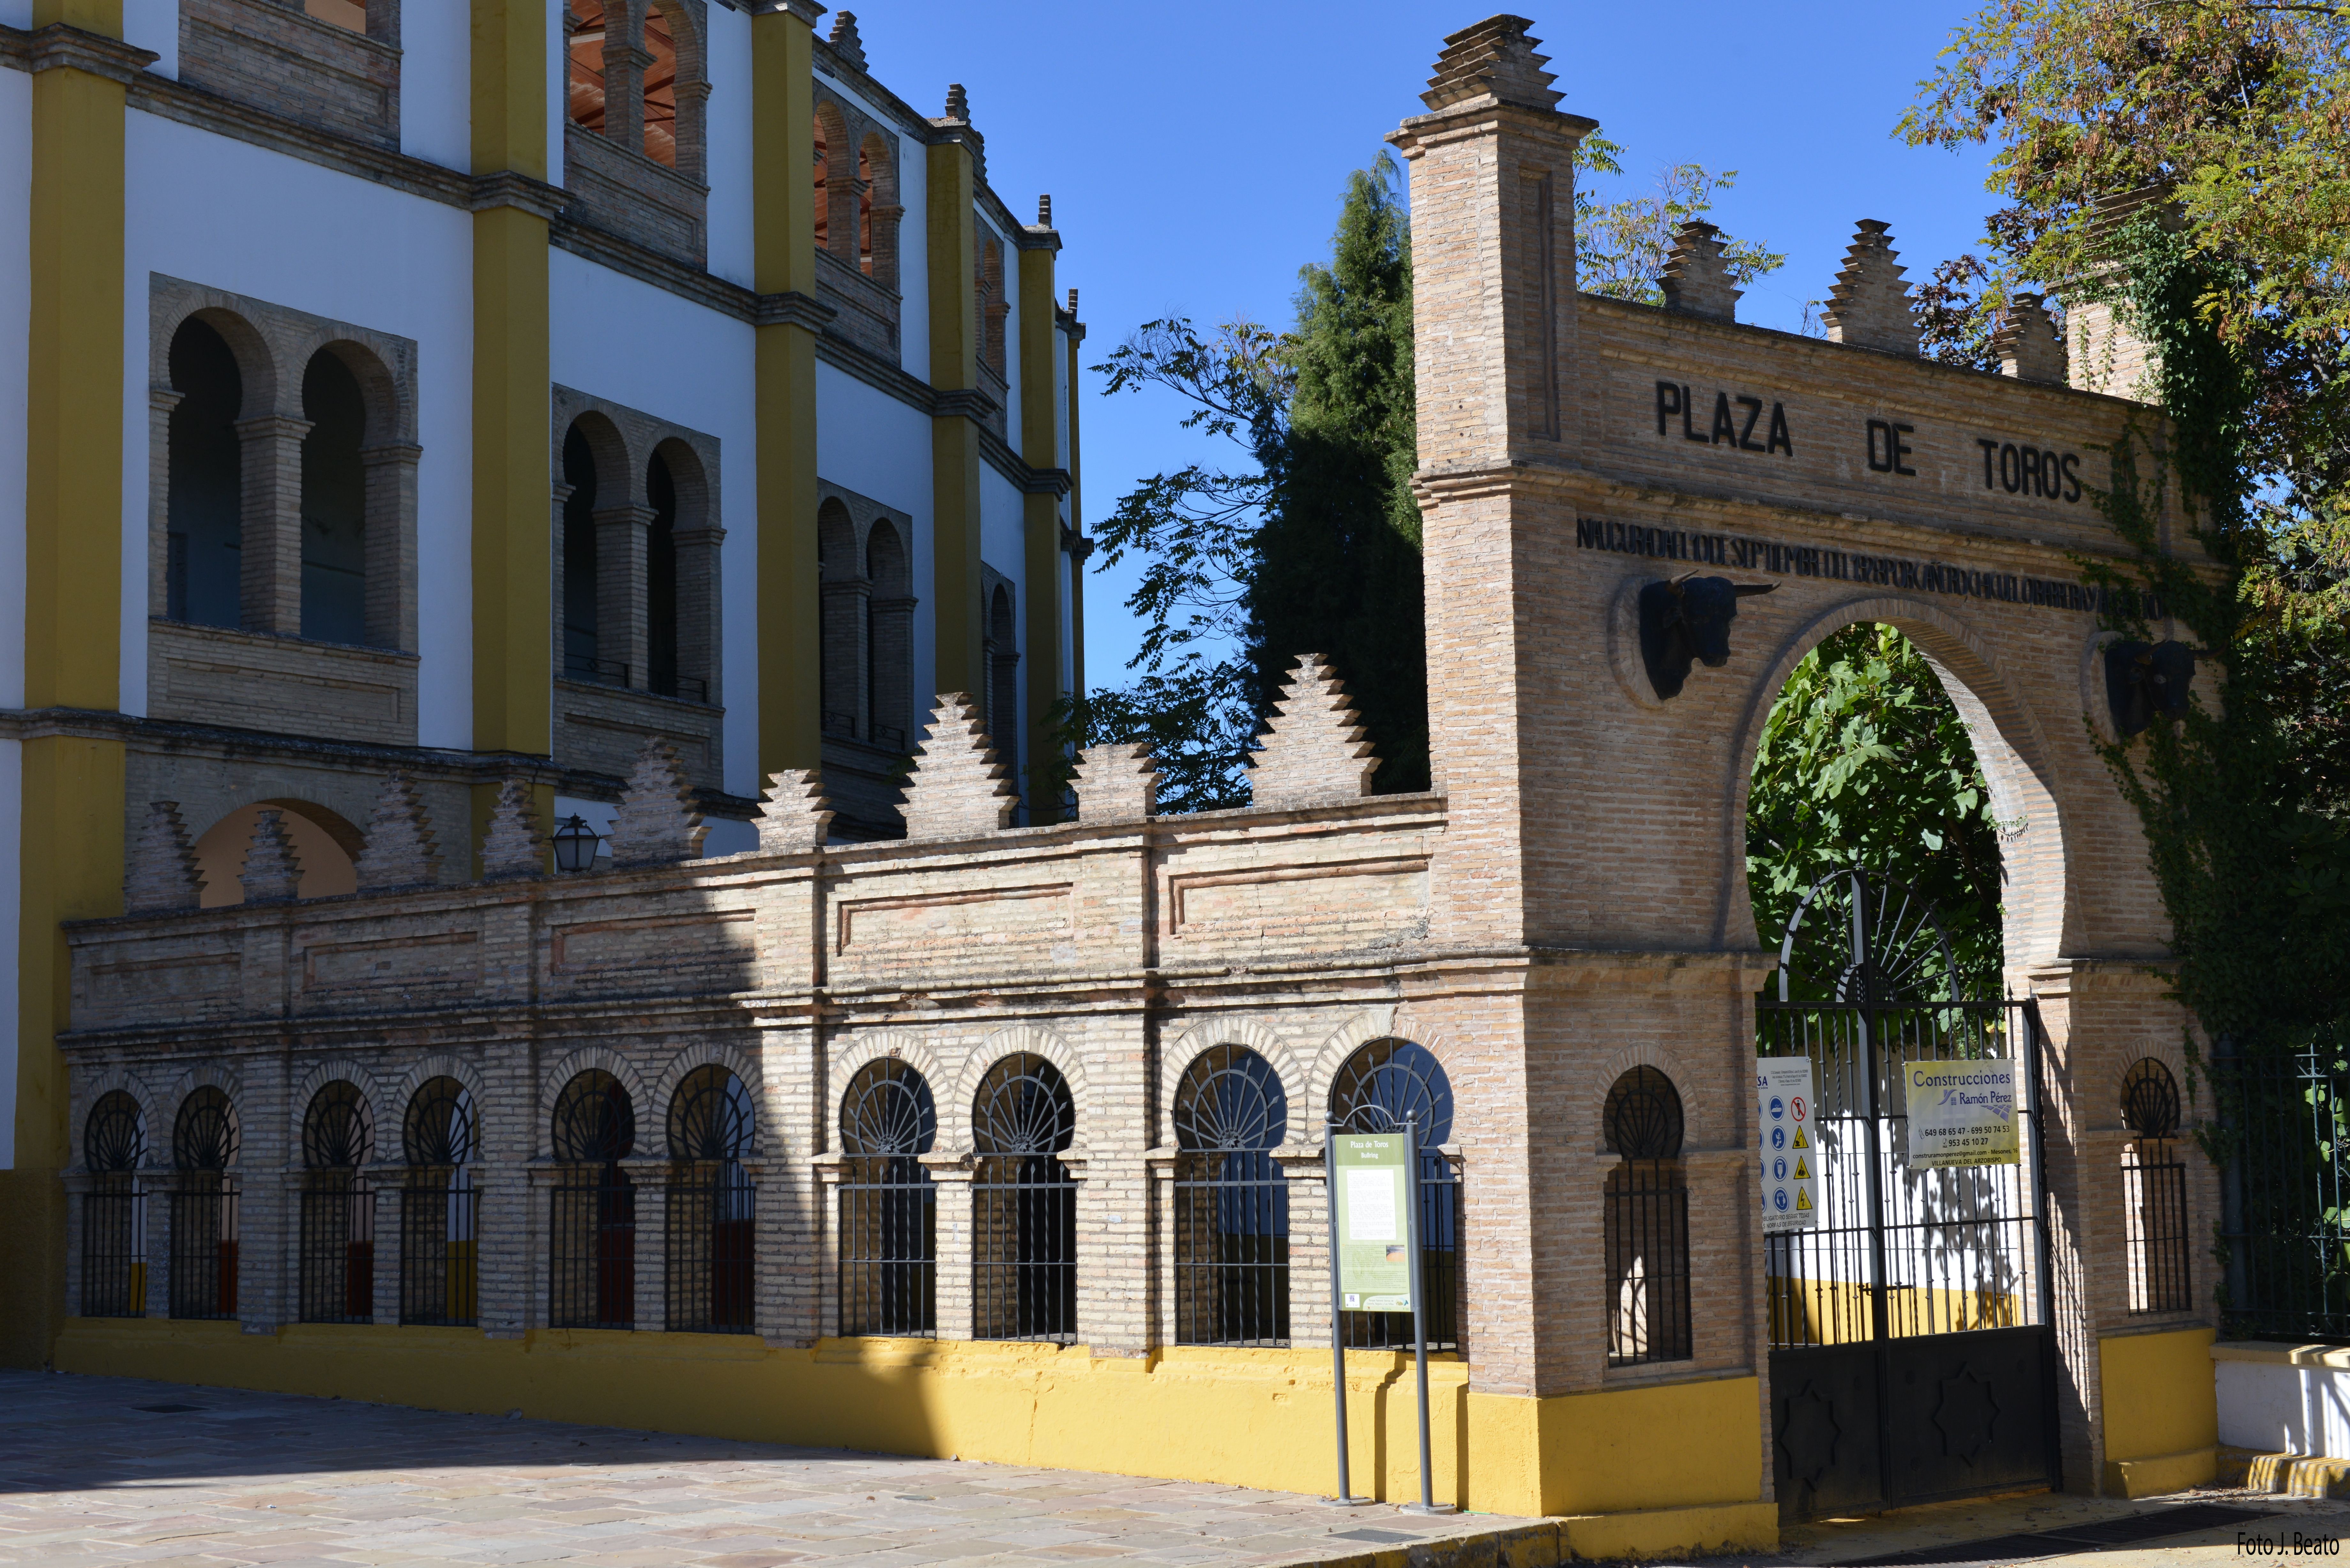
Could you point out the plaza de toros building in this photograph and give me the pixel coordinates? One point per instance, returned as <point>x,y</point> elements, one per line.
<point>1002,1138</point>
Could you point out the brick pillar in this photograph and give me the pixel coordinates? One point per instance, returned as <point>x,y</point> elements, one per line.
<point>620,634</point>
<point>699,623</point>
<point>270,542</point>
<point>651,1179</point>
<point>562,495</point>
<point>390,504</point>
<point>952,1174</point>
<point>161,402</point>
<point>1309,1243</point>
<point>796,1256</point>
<point>385,1181</point>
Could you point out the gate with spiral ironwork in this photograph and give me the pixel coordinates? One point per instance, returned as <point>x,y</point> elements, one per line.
<point>1913,1356</point>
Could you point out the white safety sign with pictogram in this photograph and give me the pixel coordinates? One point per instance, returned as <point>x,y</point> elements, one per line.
<point>1789,1120</point>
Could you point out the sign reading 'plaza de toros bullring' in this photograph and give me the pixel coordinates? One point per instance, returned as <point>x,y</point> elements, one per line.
<point>1056,1044</point>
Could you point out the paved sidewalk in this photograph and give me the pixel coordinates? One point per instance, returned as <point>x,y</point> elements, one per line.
<point>92,1472</point>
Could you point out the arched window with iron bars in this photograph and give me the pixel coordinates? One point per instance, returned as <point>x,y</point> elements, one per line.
<point>592,1218</point>
<point>2154,1191</point>
<point>338,1246</point>
<point>711,1248</point>
<point>889,1205</point>
<point>1024,1253</point>
<point>114,1210</point>
<point>440,1255</point>
<point>1231,1202</point>
<point>204,1143</point>
<point>1647,1221</point>
<point>1379,1085</point>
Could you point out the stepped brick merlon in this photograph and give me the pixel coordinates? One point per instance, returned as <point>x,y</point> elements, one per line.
<point>1696,279</point>
<point>1493,60</point>
<point>272,874</point>
<point>657,824</point>
<point>398,851</point>
<point>1116,782</point>
<point>794,817</point>
<point>959,786</point>
<point>162,874</point>
<point>1870,304</point>
<point>1314,746</point>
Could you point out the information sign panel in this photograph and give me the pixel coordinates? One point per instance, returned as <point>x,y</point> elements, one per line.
<point>1373,1198</point>
<point>1961,1113</point>
<point>1788,1115</point>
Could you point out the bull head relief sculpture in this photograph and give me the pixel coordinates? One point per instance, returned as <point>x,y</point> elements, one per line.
<point>2145,682</point>
<point>1686,619</point>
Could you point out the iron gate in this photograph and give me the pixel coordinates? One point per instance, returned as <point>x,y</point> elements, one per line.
<point>1913,1356</point>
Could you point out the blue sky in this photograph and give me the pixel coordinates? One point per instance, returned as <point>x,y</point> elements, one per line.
<point>1195,154</point>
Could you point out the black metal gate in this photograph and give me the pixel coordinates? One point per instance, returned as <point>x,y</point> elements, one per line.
<point>1913,1356</point>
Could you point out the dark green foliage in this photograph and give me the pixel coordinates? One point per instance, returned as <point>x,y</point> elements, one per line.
<point>1864,761</point>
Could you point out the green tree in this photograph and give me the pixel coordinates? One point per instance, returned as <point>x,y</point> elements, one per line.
<point>2188,161</point>
<point>1864,761</point>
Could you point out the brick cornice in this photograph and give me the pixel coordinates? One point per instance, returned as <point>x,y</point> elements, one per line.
<point>792,308</point>
<point>57,45</point>
<point>510,188</point>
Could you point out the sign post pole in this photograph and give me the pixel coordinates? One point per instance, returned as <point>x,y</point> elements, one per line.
<point>1426,1504</point>
<point>1345,1497</point>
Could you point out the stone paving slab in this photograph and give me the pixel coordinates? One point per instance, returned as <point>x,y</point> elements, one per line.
<point>87,1479</point>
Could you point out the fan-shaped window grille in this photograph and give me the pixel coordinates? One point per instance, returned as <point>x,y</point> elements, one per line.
<point>440,1255</point>
<point>710,1242</point>
<point>592,1229</point>
<point>1024,1204</point>
<point>888,1207</point>
<point>204,1207</point>
<point>337,1245</point>
<point>1647,1221</point>
<point>1381,1085</point>
<point>1231,1204</point>
<point>114,1213</point>
<point>2154,1192</point>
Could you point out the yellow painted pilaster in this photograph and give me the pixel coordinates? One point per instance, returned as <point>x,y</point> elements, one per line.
<point>513,564</point>
<point>1040,444</point>
<point>954,430</point>
<point>71,823</point>
<point>783,119</point>
<point>1077,515</point>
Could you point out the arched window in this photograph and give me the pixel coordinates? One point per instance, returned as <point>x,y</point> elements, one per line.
<point>825,138</point>
<point>840,655</point>
<point>1003,652</point>
<point>888,1206</point>
<point>592,1266</point>
<point>661,88</point>
<point>338,1208</point>
<point>1647,1221</point>
<point>204,1143</point>
<point>205,506</point>
<point>580,649</point>
<point>440,1259</point>
<point>2154,1191</point>
<point>889,636</point>
<point>660,579</point>
<point>1381,1085</point>
<point>876,245</point>
<point>1231,1204</point>
<point>586,76</point>
<point>334,503</point>
<point>114,1214</point>
<point>1024,1253</point>
<point>711,1246</point>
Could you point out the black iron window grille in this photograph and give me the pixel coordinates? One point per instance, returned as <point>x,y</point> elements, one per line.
<point>710,1248</point>
<point>889,1205</point>
<point>592,1221</point>
<point>1024,1204</point>
<point>337,1245</point>
<point>1231,1202</point>
<point>114,1213</point>
<point>2154,1192</point>
<point>1380,1084</point>
<point>1647,1222</point>
<point>203,1206</point>
<point>440,1251</point>
<point>2282,1143</point>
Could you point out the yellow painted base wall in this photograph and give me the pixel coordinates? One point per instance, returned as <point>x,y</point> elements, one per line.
<point>1250,1418</point>
<point>2161,1410</point>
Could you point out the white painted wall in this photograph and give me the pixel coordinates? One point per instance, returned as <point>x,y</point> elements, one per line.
<point>16,13</point>
<point>11,761</point>
<point>661,355</point>
<point>732,255</point>
<point>149,25</point>
<point>436,84</point>
<point>16,308</point>
<point>2272,1408</point>
<point>877,446</point>
<point>216,211</point>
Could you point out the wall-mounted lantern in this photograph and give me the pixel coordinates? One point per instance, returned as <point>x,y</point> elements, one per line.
<point>574,845</point>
